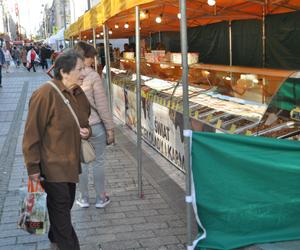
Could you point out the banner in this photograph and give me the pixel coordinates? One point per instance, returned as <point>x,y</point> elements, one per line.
<point>162,128</point>
<point>118,102</point>
<point>247,189</point>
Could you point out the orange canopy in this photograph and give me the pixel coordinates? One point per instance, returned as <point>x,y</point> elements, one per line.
<point>198,13</point>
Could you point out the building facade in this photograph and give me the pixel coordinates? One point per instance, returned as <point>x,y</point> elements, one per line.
<point>7,23</point>
<point>78,8</point>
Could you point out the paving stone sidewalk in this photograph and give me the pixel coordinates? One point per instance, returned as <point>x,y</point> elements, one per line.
<point>128,222</point>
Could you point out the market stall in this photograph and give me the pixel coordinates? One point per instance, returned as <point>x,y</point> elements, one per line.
<point>223,100</point>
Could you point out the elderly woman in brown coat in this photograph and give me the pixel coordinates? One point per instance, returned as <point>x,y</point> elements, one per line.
<point>51,144</point>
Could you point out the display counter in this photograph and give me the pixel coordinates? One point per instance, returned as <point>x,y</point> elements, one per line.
<point>222,99</point>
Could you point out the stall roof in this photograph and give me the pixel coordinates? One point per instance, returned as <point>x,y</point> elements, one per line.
<point>198,13</point>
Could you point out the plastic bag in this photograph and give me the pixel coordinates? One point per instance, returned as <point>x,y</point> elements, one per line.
<point>33,214</point>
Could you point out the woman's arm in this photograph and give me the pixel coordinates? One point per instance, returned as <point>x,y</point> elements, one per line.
<point>35,125</point>
<point>101,102</point>
<point>103,110</point>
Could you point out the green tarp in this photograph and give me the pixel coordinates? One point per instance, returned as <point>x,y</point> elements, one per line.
<point>288,96</point>
<point>247,189</point>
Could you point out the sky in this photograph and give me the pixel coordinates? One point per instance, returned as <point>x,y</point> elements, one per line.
<point>29,12</point>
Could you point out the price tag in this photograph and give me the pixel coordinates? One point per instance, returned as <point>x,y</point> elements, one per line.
<point>248,133</point>
<point>219,123</point>
<point>208,118</point>
<point>232,128</point>
<point>173,105</point>
<point>196,114</point>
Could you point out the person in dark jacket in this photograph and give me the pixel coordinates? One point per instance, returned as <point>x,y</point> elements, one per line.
<point>52,142</point>
<point>2,61</point>
<point>43,57</point>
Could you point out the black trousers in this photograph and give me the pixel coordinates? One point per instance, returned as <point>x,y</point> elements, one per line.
<point>32,66</point>
<point>44,63</point>
<point>60,199</point>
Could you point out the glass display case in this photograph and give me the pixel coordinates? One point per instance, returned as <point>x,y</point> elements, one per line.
<point>222,99</point>
<point>226,99</point>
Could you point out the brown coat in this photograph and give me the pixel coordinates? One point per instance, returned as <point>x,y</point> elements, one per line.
<point>51,142</point>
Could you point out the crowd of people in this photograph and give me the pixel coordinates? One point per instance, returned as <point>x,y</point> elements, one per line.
<point>29,56</point>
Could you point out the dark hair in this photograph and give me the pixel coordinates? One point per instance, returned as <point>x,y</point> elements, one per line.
<point>65,62</point>
<point>85,49</point>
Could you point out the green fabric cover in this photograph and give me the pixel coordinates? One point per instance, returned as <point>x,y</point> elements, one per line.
<point>288,95</point>
<point>282,41</point>
<point>247,43</point>
<point>247,189</point>
<point>212,42</point>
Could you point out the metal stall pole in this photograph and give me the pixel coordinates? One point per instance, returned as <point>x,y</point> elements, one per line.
<point>94,43</point>
<point>264,35</point>
<point>230,43</point>
<point>107,64</point>
<point>138,101</point>
<point>186,123</point>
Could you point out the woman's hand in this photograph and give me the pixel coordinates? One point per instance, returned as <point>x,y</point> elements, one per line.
<point>110,137</point>
<point>84,133</point>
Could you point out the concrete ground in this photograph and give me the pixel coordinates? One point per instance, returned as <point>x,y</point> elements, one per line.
<point>128,222</point>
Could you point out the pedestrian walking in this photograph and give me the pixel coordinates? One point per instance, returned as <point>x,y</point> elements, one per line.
<point>16,56</point>
<point>8,59</point>
<point>31,59</point>
<point>24,56</point>
<point>52,142</point>
<point>2,62</point>
<point>43,56</point>
<point>102,126</point>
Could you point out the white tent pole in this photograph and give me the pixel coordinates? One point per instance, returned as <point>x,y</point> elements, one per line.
<point>138,101</point>
<point>186,123</point>
<point>107,63</point>
<point>94,42</point>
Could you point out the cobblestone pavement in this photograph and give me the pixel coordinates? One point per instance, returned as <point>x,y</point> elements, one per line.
<point>128,222</point>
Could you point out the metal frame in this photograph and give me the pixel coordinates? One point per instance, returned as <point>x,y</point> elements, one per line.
<point>186,122</point>
<point>94,43</point>
<point>107,63</point>
<point>138,101</point>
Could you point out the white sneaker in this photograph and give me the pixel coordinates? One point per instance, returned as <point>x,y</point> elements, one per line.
<point>102,203</point>
<point>83,203</point>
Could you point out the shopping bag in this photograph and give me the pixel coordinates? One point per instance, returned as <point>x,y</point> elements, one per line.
<point>33,214</point>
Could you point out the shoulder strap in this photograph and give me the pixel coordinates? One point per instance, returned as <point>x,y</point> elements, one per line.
<point>66,101</point>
